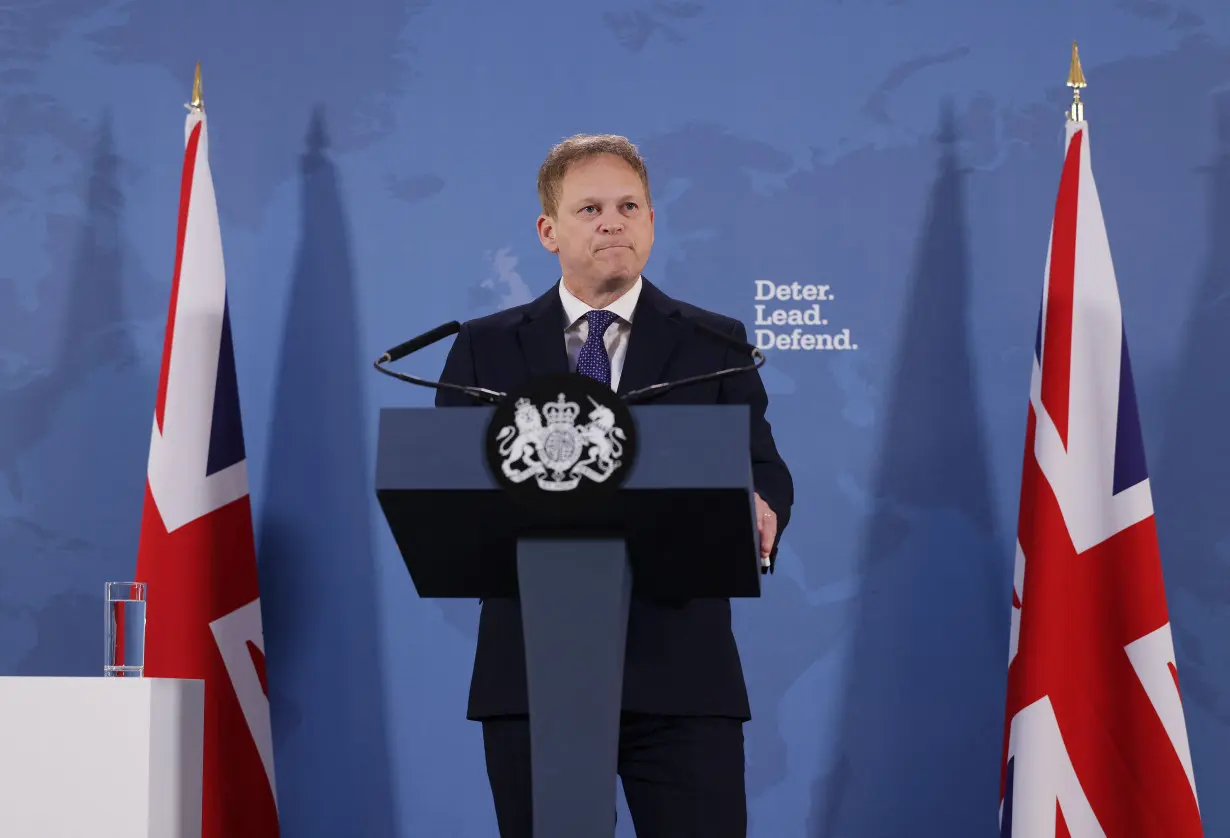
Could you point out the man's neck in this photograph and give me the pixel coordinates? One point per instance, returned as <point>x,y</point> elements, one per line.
<point>602,295</point>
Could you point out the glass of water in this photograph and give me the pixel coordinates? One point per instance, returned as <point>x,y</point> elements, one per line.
<point>124,629</point>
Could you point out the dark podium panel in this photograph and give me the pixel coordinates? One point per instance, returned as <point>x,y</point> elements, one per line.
<point>689,493</point>
<point>682,525</point>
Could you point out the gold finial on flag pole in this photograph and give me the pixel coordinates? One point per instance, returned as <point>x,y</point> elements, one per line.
<point>1076,80</point>
<point>198,101</point>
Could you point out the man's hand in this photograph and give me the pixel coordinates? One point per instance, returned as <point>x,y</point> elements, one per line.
<point>766,525</point>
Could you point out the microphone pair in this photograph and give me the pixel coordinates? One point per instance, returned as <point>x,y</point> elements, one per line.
<point>451,328</point>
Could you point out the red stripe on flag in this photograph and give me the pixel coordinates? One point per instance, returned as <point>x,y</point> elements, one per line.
<point>1057,338</point>
<point>185,200</point>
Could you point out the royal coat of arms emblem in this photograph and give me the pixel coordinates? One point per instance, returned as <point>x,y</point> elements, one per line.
<point>547,445</point>
<point>561,435</point>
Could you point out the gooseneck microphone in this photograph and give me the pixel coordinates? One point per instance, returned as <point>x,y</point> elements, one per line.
<point>758,360</point>
<point>451,328</point>
<point>422,342</point>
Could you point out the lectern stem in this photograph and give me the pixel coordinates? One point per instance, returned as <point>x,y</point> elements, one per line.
<point>574,613</point>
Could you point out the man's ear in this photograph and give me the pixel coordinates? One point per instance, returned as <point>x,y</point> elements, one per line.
<point>546,233</point>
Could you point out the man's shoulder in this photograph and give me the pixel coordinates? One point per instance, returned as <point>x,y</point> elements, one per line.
<point>714,320</point>
<point>675,307</point>
<point>498,321</point>
<point>509,318</point>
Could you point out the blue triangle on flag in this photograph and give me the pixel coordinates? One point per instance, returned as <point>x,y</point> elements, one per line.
<point>226,435</point>
<point>1130,466</point>
<point>1038,338</point>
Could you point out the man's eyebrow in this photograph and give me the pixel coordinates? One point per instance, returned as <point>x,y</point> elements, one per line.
<point>583,202</point>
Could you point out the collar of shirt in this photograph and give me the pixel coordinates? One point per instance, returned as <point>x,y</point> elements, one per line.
<point>622,308</point>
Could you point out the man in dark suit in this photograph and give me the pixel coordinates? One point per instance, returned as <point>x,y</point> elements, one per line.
<point>681,757</point>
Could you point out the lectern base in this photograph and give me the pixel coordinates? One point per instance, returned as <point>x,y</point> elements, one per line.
<point>574,613</point>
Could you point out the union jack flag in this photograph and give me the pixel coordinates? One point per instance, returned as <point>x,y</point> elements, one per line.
<point>197,550</point>
<point>1095,742</point>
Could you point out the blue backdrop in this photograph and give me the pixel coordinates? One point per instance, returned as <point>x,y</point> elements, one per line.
<point>375,172</point>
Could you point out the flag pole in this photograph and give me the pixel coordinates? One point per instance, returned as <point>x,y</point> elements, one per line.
<point>1076,80</point>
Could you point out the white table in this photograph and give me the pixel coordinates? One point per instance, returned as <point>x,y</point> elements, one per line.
<point>101,757</point>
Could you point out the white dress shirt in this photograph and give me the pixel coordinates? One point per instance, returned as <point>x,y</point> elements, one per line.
<point>576,327</point>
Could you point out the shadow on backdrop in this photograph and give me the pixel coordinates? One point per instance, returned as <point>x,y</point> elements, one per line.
<point>79,430</point>
<point>920,730</point>
<point>1191,492</point>
<point>91,331</point>
<point>317,558</point>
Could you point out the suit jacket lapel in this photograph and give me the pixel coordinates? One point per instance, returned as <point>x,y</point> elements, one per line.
<point>542,335</point>
<point>655,331</point>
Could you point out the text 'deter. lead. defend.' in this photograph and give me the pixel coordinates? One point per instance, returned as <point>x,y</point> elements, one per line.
<point>803,311</point>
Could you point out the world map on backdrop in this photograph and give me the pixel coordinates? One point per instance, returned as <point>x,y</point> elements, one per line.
<point>375,178</point>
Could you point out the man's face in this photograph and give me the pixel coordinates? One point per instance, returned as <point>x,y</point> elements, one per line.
<point>603,229</point>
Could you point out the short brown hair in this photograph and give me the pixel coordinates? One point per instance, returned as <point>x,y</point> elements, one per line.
<point>581,147</point>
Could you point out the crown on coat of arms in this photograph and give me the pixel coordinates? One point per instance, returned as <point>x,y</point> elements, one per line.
<point>560,411</point>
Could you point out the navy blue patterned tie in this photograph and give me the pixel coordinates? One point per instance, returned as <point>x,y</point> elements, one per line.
<point>593,359</point>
